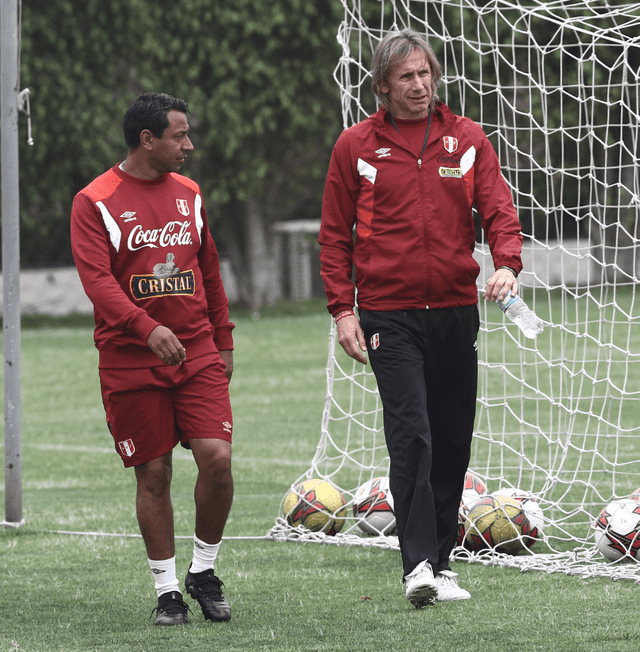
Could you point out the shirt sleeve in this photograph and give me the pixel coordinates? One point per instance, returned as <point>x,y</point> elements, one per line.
<point>92,252</point>
<point>217,301</point>
<point>336,230</point>
<point>494,203</point>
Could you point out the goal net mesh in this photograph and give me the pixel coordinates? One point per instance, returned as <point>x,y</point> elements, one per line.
<point>555,87</point>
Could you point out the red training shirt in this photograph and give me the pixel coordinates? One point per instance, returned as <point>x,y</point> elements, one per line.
<point>145,257</point>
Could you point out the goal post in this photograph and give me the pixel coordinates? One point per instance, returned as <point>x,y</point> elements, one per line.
<point>9,75</point>
<point>555,87</point>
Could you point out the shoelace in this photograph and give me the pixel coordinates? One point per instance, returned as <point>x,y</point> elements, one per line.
<point>211,587</point>
<point>447,582</point>
<point>172,607</point>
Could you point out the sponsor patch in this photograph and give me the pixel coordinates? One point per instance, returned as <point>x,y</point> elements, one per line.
<point>453,173</point>
<point>172,234</point>
<point>149,286</point>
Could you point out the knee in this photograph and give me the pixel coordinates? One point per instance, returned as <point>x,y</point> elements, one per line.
<point>213,458</point>
<point>154,480</point>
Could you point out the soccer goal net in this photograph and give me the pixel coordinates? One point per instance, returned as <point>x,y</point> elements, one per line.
<point>555,87</point>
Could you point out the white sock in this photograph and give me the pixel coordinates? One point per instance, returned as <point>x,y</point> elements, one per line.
<point>204,555</point>
<point>164,575</point>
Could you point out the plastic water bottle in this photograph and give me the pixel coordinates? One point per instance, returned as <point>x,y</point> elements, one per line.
<point>521,315</point>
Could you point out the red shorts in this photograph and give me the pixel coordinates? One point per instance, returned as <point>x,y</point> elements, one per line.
<point>149,411</point>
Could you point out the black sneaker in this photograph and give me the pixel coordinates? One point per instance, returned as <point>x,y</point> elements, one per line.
<point>171,609</point>
<point>206,588</point>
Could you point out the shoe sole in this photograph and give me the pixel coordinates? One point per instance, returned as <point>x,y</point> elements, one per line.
<point>423,596</point>
<point>168,622</point>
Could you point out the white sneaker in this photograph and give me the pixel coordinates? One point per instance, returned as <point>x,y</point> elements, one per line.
<point>421,585</point>
<point>448,589</point>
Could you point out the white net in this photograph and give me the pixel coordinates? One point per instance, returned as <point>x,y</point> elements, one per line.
<point>555,87</point>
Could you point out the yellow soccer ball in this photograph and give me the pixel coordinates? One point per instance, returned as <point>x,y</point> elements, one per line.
<point>317,505</point>
<point>500,523</point>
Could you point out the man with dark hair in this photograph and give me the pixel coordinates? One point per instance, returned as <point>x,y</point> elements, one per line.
<point>408,177</point>
<point>150,112</point>
<point>147,261</point>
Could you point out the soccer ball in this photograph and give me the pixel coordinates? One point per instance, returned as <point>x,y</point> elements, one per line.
<point>618,530</point>
<point>373,507</point>
<point>474,488</point>
<point>635,495</point>
<point>317,505</point>
<point>531,508</point>
<point>499,523</point>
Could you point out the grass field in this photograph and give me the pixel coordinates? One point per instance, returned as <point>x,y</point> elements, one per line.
<point>78,593</point>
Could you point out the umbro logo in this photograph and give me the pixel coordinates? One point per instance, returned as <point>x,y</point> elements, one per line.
<point>128,216</point>
<point>383,151</point>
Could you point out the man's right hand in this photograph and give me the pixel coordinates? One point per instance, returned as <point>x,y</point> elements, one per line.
<point>351,337</point>
<point>166,346</point>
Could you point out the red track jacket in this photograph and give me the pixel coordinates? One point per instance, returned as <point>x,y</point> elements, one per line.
<point>415,234</point>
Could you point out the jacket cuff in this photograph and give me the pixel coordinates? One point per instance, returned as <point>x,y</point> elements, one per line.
<point>223,337</point>
<point>142,326</point>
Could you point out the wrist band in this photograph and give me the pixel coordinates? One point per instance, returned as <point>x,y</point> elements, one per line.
<point>342,315</point>
<point>508,268</point>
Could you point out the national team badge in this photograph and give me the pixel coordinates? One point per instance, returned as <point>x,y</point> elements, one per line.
<point>183,207</point>
<point>450,143</point>
<point>126,447</point>
<point>375,341</point>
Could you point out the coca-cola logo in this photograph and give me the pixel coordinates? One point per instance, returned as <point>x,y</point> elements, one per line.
<point>171,235</point>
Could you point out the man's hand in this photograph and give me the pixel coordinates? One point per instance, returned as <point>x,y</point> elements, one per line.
<point>166,346</point>
<point>227,358</point>
<point>351,337</point>
<point>501,283</point>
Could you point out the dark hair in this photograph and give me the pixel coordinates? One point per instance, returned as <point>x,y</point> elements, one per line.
<point>149,111</point>
<point>394,48</point>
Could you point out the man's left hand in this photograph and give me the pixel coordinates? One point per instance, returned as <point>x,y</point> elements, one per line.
<point>501,283</point>
<point>227,358</point>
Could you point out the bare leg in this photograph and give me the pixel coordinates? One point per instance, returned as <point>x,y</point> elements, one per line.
<point>153,507</point>
<point>214,487</point>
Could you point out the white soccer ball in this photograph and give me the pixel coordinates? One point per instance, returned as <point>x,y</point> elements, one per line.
<point>474,488</point>
<point>529,503</point>
<point>617,530</point>
<point>373,507</point>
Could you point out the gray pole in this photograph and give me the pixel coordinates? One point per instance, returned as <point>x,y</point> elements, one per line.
<point>9,81</point>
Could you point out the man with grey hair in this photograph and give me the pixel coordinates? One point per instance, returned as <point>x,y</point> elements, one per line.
<point>408,178</point>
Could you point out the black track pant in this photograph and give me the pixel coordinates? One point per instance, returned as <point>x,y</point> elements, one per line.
<point>426,367</point>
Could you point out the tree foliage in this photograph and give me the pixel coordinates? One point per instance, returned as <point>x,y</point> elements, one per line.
<point>257,78</point>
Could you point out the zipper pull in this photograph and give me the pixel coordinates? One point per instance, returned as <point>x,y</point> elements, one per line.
<point>419,164</point>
